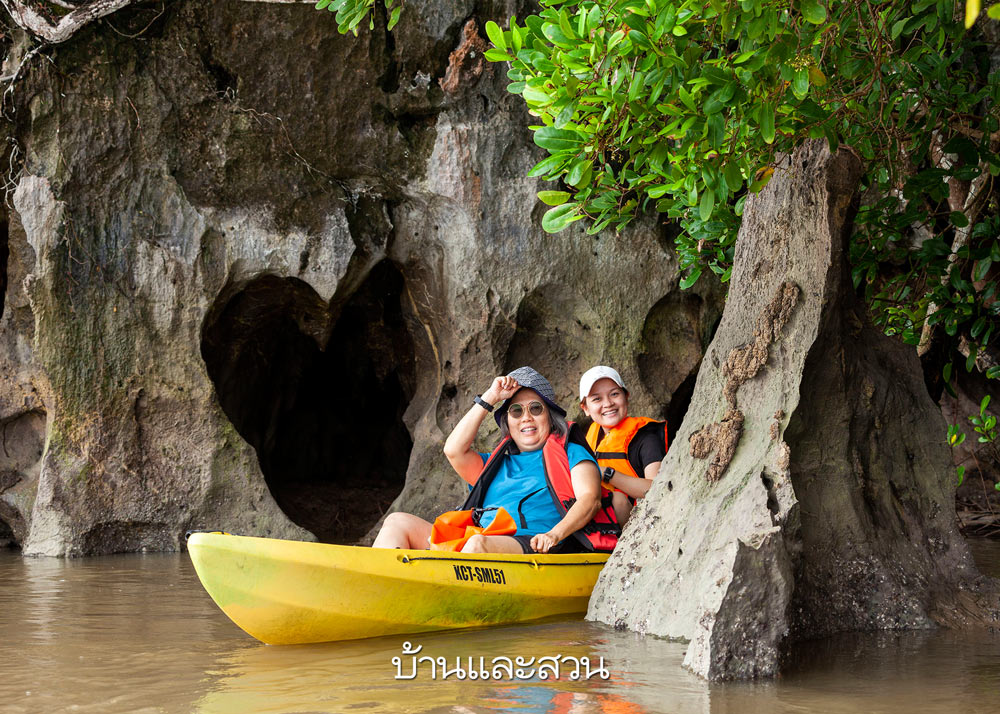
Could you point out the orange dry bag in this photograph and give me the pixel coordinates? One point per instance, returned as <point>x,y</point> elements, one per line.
<point>452,529</point>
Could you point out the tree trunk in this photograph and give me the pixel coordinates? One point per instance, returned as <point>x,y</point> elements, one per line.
<point>810,488</point>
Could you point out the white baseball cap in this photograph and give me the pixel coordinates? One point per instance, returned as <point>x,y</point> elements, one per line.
<point>595,373</point>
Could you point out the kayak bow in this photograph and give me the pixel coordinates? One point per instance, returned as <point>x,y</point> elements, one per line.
<point>292,592</point>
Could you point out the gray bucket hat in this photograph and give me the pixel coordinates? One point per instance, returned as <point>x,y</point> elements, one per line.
<point>529,378</point>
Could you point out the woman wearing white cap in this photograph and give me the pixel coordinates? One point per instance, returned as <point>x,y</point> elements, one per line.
<point>629,449</point>
<point>548,484</point>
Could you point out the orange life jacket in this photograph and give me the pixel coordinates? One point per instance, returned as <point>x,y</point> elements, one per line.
<point>614,446</point>
<point>601,534</point>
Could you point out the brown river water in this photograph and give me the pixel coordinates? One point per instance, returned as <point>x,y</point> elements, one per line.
<point>137,633</point>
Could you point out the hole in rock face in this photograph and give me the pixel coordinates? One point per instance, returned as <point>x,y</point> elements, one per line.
<point>559,334</point>
<point>680,400</point>
<point>674,337</point>
<point>326,423</point>
<point>22,440</point>
<point>6,536</point>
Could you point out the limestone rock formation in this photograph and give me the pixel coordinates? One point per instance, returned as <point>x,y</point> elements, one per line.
<point>257,271</point>
<point>809,490</point>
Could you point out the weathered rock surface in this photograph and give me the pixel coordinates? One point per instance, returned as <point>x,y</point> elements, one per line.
<point>258,270</point>
<point>809,490</point>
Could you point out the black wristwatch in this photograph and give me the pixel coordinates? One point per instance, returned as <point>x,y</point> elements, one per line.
<point>483,403</point>
<point>609,473</point>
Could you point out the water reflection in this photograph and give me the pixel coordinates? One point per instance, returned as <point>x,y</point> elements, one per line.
<point>360,675</point>
<point>138,634</point>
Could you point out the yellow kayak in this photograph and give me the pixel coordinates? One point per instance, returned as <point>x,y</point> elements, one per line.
<point>290,592</point>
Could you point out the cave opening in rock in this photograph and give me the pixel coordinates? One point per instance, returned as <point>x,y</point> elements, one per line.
<point>7,539</point>
<point>327,424</point>
<point>675,335</point>
<point>559,334</point>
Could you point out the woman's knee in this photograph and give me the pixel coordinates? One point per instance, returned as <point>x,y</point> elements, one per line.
<point>475,544</point>
<point>396,520</point>
<point>399,530</point>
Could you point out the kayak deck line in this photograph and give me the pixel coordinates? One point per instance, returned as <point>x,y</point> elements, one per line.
<point>294,592</point>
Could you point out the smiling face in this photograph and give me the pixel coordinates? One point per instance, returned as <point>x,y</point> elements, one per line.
<point>529,431</point>
<point>607,403</point>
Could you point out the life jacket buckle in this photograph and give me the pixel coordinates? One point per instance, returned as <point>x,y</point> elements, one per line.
<point>477,513</point>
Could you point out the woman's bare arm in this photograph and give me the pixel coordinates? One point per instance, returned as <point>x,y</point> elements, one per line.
<point>458,446</point>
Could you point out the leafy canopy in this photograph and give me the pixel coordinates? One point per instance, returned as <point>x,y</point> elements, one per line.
<point>683,106</point>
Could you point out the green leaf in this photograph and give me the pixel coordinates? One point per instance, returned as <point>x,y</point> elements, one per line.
<point>495,34</point>
<point>961,474</point>
<point>813,11</point>
<point>535,95</point>
<point>897,27</point>
<point>958,219</point>
<point>691,278</point>
<point>982,268</point>
<point>946,373</point>
<point>493,55</point>
<point>707,204</point>
<point>767,123</point>
<point>575,175</point>
<point>687,99</point>
<point>558,218</point>
<point>394,17</point>
<point>734,178</point>
<point>800,83</point>
<point>547,166</point>
<point>553,198</point>
<point>994,13</point>
<point>565,115</point>
<point>553,139</point>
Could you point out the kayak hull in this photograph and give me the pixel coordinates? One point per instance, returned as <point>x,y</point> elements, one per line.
<point>292,592</point>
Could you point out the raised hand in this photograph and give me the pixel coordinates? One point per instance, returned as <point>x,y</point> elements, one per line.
<point>501,389</point>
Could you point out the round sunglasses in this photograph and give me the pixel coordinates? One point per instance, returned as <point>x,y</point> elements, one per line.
<point>517,410</point>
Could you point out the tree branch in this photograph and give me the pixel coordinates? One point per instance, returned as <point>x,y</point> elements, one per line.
<point>963,197</point>
<point>27,18</point>
<point>80,15</point>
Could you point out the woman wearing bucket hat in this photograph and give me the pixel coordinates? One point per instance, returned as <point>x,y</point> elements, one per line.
<point>629,449</point>
<point>547,484</point>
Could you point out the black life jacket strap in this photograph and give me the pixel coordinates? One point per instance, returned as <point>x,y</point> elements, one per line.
<point>477,514</point>
<point>520,513</point>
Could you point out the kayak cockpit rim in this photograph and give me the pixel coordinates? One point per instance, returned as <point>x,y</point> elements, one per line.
<point>533,562</point>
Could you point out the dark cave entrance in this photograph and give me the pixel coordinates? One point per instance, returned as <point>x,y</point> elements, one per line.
<point>7,539</point>
<point>327,424</point>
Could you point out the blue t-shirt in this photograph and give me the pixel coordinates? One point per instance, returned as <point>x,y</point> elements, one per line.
<point>519,488</point>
